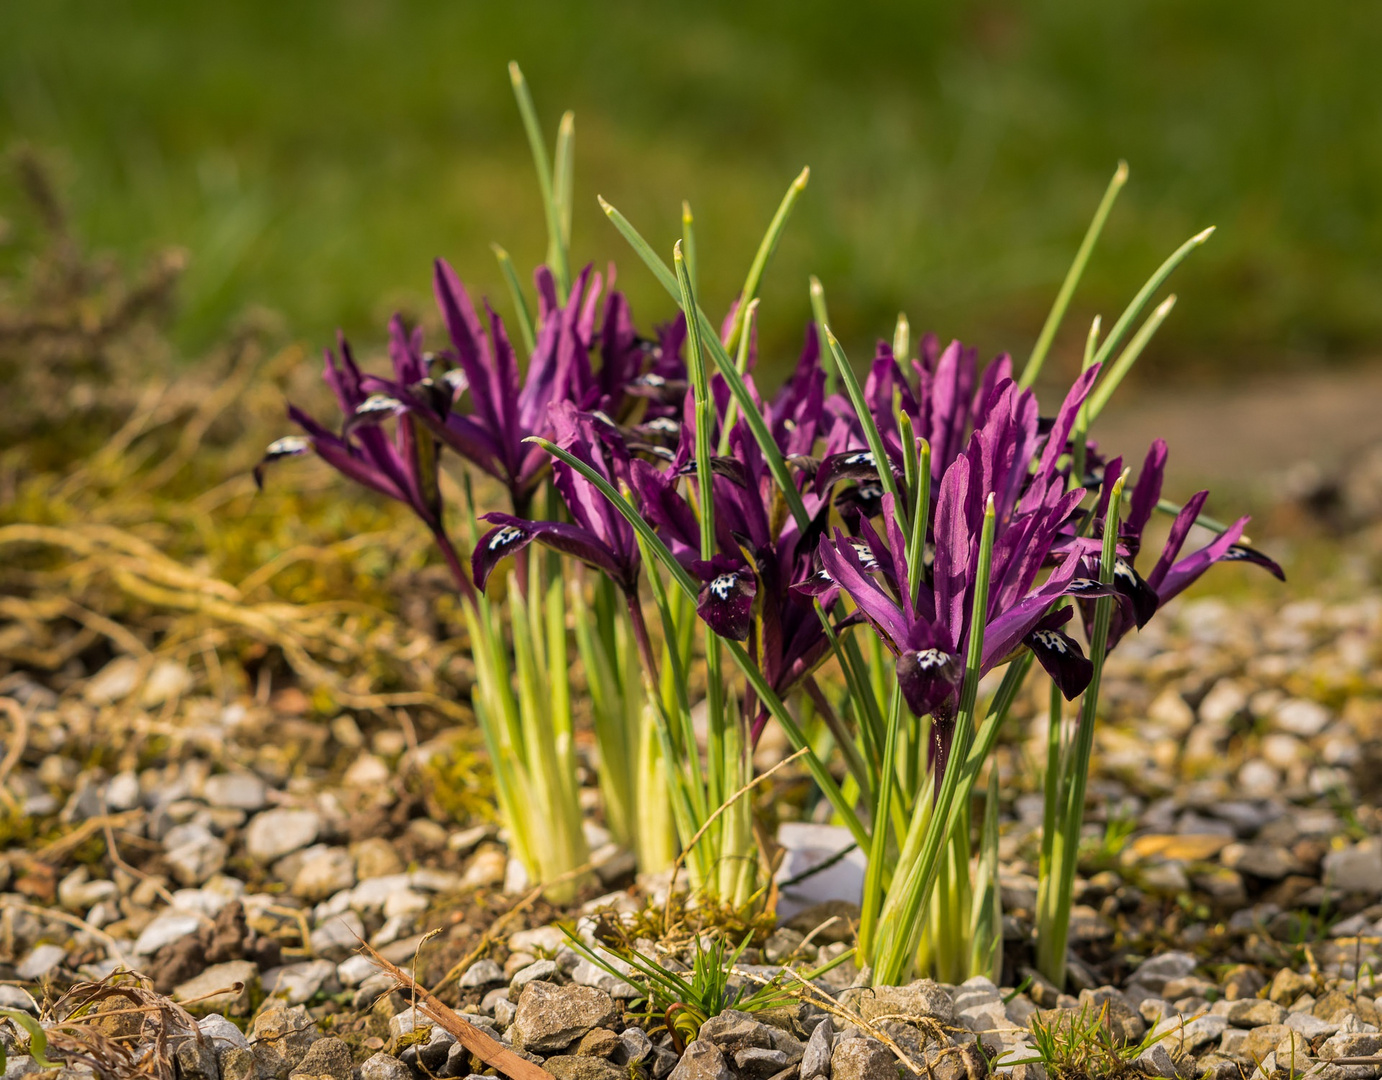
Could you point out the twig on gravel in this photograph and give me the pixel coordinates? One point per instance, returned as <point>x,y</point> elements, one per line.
<point>113,850</point>
<point>18,741</point>
<point>472,1038</point>
<point>495,928</point>
<point>53,852</point>
<point>70,920</point>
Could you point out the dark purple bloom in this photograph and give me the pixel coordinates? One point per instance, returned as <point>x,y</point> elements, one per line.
<point>727,594</point>
<point>930,634</point>
<point>404,467</point>
<point>1060,654</point>
<point>1173,573</point>
<point>599,536</point>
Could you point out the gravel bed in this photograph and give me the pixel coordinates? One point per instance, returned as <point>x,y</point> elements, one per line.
<point>237,854</point>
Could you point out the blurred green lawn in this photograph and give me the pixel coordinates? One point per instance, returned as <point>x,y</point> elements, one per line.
<point>314,156</point>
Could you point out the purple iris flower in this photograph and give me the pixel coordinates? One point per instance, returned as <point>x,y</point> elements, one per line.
<point>404,467</point>
<point>505,409</point>
<point>748,587</point>
<point>1173,573</point>
<point>598,536</point>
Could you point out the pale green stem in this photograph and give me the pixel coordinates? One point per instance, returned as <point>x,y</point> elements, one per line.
<point>871,433</point>
<point>902,338</point>
<point>772,454</point>
<point>1053,924</point>
<point>766,247</point>
<point>556,250</point>
<point>894,965</point>
<point>1108,382</point>
<point>1134,309</point>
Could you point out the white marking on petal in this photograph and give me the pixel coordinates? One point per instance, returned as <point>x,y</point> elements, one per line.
<point>378,403</point>
<point>504,537</point>
<point>864,457</point>
<point>288,446</point>
<point>723,585</point>
<point>1049,639</point>
<point>865,554</point>
<point>928,659</point>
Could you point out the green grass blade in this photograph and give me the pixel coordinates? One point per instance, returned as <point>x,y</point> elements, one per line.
<point>920,879</point>
<point>563,178</point>
<point>1109,382</point>
<point>741,361</point>
<point>701,402</point>
<point>556,252</point>
<point>872,898</point>
<point>766,694</point>
<point>1053,924</point>
<point>871,434</point>
<point>522,312</point>
<point>1134,309</point>
<point>902,338</point>
<point>821,315</point>
<point>1072,278</point>
<point>688,240</point>
<point>766,247</point>
<point>753,416</point>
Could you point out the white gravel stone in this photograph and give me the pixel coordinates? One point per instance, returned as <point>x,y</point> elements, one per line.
<point>481,973</point>
<point>1301,717</point>
<point>42,962</point>
<point>338,936</point>
<point>367,771</point>
<point>194,853</point>
<point>237,791</point>
<point>77,892</point>
<point>299,983</point>
<point>171,926</point>
<point>356,969</point>
<point>369,896</point>
<point>1311,1026</point>
<point>122,793</point>
<point>1357,869</point>
<point>405,902</point>
<point>275,833</point>
<point>1257,778</point>
<point>328,872</point>
<point>1156,1061</point>
<point>222,1032</point>
<point>544,939</point>
<point>114,682</point>
<point>486,870</point>
<point>167,679</point>
<point>1225,700</point>
<point>546,970</point>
